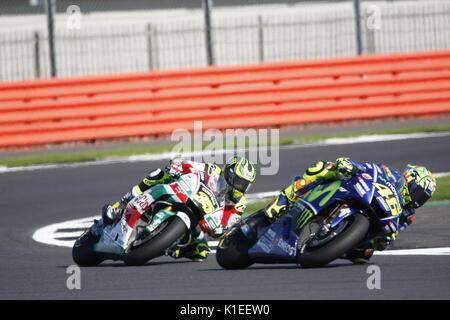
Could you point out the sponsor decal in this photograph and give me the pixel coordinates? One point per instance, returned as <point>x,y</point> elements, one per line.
<point>283,245</point>
<point>383,203</point>
<point>344,212</point>
<point>387,171</point>
<point>143,202</point>
<point>363,184</point>
<point>266,242</point>
<point>303,218</point>
<point>214,219</point>
<point>179,192</point>
<point>326,192</point>
<point>360,190</point>
<point>189,182</point>
<point>378,169</point>
<point>367,176</point>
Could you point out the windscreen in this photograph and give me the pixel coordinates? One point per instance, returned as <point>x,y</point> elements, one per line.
<point>218,186</point>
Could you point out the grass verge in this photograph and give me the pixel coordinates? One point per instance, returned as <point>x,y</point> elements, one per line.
<point>442,189</point>
<point>316,138</point>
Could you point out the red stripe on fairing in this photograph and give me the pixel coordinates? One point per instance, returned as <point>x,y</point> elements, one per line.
<point>204,226</point>
<point>179,192</point>
<point>187,168</point>
<point>227,214</point>
<point>132,216</point>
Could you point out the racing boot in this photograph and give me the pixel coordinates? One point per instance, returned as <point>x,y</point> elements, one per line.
<point>383,244</point>
<point>197,250</point>
<point>359,255</point>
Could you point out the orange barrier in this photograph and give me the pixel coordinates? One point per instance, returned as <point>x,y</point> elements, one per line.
<point>100,107</point>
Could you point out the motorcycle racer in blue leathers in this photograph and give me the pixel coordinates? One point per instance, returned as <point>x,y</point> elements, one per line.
<point>415,187</point>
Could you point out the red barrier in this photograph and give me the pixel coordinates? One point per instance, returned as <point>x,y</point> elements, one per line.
<point>100,107</point>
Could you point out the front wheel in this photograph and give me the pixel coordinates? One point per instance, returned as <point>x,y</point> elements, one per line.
<point>320,252</point>
<point>232,252</point>
<point>156,246</point>
<point>83,250</point>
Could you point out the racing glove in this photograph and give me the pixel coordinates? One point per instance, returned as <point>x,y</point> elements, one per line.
<point>276,208</point>
<point>175,168</point>
<point>111,213</point>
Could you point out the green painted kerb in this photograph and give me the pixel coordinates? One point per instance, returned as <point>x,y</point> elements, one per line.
<point>437,203</point>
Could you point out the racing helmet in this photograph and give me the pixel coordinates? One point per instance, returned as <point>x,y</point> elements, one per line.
<point>417,186</point>
<point>239,173</point>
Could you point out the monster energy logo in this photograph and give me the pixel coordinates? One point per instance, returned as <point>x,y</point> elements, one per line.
<point>304,218</point>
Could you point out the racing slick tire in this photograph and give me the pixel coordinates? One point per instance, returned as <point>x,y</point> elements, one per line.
<point>352,234</point>
<point>155,247</point>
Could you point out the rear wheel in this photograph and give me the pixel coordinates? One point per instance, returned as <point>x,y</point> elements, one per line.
<point>155,247</point>
<point>83,250</point>
<point>317,252</point>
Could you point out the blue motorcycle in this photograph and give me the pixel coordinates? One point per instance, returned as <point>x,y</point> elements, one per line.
<point>328,220</point>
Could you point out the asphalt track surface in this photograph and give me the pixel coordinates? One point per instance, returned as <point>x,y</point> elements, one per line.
<point>33,199</point>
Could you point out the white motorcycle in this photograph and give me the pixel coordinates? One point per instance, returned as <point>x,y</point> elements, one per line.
<point>164,217</point>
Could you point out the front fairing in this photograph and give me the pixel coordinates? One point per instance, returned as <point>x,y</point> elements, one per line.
<point>278,242</point>
<point>387,200</point>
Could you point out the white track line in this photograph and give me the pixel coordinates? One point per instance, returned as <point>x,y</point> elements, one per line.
<point>415,252</point>
<point>384,137</point>
<point>49,235</point>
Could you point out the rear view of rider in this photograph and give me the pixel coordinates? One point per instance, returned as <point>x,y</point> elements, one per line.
<point>416,185</point>
<point>239,173</point>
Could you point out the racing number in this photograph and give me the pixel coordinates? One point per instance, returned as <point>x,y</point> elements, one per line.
<point>389,197</point>
<point>206,203</point>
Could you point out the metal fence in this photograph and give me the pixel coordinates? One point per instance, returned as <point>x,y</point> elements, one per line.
<point>322,32</point>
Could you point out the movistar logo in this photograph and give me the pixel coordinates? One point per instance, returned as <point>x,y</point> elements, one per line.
<point>325,191</point>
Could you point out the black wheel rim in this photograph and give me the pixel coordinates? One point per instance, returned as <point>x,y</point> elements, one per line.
<point>320,240</point>
<point>146,238</point>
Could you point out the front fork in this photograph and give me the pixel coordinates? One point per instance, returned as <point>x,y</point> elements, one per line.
<point>336,216</point>
<point>325,227</point>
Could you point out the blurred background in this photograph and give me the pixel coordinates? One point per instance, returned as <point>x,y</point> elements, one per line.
<point>66,38</point>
